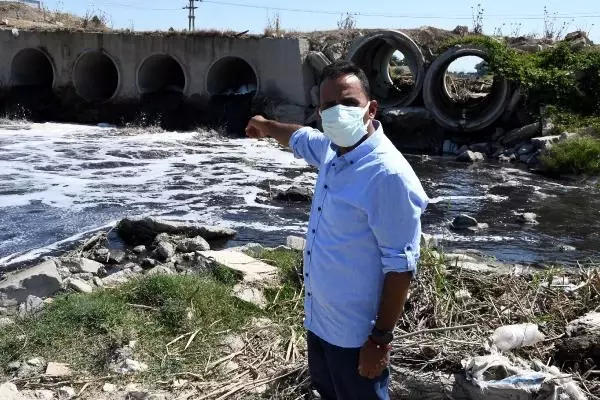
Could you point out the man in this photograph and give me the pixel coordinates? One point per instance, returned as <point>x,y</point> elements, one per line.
<point>363,236</point>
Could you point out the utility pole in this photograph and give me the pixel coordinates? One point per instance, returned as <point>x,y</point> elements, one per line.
<point>192,14</point>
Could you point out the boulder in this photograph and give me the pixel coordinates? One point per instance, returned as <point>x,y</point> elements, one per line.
<point>116,256</point>
<point>525,149</point>
<point>544,142</point>
<point>464,221</point>
<point>118,278</point>
<point>507,158</point>
<point>9,391</point>
<point>143,230</point>
<point>527,218</point>
<point>43,280</point>
<point>141,249</point>
<point>250,294</point>
<point>296,243</point>
<point>294,194</point>
<point>165,250</point>
<point>79,286</point>
<point>189,245</point>
<point>470,156</point>
<point>160,270</point>
<point>30,306</point>
<point>521,134</point>
<point>567,136</point>
<point>78,265</point>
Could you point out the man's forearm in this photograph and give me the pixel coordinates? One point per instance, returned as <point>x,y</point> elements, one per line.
<point>281,132</point>
<point>393,297</point>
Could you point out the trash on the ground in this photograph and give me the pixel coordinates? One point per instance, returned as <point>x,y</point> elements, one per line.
<point>511,337</point>
<point>496,377</point>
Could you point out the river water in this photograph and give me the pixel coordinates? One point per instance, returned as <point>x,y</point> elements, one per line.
<point>59,181</point>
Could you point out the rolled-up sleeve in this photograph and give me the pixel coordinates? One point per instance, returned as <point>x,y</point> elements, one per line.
<point>394,215</point>
<point>309,144</point>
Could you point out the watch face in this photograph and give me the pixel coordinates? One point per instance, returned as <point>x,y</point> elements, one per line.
<point>382,337</point>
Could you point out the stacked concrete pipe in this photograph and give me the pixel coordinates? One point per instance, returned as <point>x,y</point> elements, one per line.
<point>373,52</point>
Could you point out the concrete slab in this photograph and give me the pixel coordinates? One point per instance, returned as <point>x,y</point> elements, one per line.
<point>296,243</point>
<point>43,280</point>
<point>252,269</point>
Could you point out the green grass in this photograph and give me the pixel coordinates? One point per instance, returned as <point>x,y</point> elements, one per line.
<point>580,155</point>
<point>83,330</point>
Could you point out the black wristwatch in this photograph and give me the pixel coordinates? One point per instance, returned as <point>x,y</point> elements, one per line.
<point>382,337</point>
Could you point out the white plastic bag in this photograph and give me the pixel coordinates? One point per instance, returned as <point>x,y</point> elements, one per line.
<point>511,337</point>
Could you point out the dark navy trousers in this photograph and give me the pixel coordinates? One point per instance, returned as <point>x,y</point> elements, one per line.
<point>334,373</point>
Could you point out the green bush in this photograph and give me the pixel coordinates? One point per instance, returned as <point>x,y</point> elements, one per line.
<point>580,155</point>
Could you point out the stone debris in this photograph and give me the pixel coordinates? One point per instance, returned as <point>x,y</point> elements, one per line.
<point>118,278</point>
<point>5,321</point>
<point>252,269</point>
<point>42,280</point>
<point>79,286</point>
<point>527,218</point>
<point>66,393</point>
<point>189,245</point>
<point>470,156</point>
<point>160,270</point>
<point>109,388</point>
<point>251,295</point>
<point>294,194</point>
<point>165,250</point>
<point>32,305</point>
<point>58,370</point>
<point>233,343</point>
<point>130,366</point>
<point>9,391</point>
<point>296,243</point>
<point>466,222</point>
<point>141,249</point>
<point>545,142</point>
<point>521,134</point>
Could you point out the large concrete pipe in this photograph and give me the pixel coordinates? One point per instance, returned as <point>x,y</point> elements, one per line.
<point>160,73</point>
<point>374,52</point>
<point>95,76</point>
<point>32,67</point>
<point>230,76</point>
<point>474,111</point>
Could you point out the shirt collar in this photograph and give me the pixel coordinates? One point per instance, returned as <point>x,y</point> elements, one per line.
<point>365,147</point>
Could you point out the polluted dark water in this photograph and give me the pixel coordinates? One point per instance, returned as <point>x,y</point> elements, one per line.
<point>59,182</point>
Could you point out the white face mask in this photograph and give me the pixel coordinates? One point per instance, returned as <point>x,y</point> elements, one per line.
<point>345,125</point>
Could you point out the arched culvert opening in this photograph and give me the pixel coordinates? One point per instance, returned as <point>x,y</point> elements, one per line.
<point>231,76</point>
<point>32,67</point>
<point>461,93</point>
<point>95,76</point>
<point>394,65</point>
<point>161,73</point>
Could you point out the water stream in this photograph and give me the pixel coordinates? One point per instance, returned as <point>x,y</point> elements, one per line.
<point>58,181</point>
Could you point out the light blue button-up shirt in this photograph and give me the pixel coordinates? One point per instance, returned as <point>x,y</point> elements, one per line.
<point>365,222</point>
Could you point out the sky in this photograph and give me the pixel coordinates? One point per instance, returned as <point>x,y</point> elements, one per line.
<point>520,16</point>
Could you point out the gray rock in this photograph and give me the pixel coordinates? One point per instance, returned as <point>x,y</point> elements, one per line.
<point>33,367</point>
<point>109,388</point>
<point>568,136</point>
<point>524,158</point>
<point>137,269</point>
<point>43,280</point>
<point>13,366</point>
<point>526,149</point>
<point>294,194</point>
<point>102,254</point>
<point>165,250</point>
<point>148,263</point>
<point>98,282</point>
<point>296,243</point>
<point>37,362</point>
<point>130,366</point>
<point>527,218</point>
<point>80,286</point>
<point>55,369</point>
<point>116,256</point>
<point>318,61</point>
<point>66,393</point>
<point>135,231</point>
<point>141,249</point>
<point>37,394</point>
<point>565,248</point>
<point>160,270</point>
<point>233,343</point>
<point>428,241</point>
<point>252,249</point>
<point>189,245</point>
<point>548,128</point>
<point>544,142</point>
<point>470,156</point>
<point>91,266</point>
<point>5,321</point>
<point>518,135</point>
<point>85,276</point>
<point>464,221</point>
<point>118,278</point>
<point>250,294</point>
<point>449,147</point>
<point>484,148</point>
<point>9,391</point>
<point>32,305</point>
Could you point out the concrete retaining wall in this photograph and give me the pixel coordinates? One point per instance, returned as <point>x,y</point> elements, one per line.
<point>277,63</point>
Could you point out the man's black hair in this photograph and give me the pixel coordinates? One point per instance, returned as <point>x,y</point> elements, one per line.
<point>341,68</point>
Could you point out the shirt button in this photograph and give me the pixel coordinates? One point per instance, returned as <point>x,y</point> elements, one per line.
<point>306,274</point>
<point>326,187</point>
<point>319,209</point>
<point>314,231</point>
<point>333,165</point>
<point>351,162</point>
<point>309,294</point>
<point>308,252</point>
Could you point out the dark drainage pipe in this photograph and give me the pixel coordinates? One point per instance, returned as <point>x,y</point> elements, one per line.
<point>373,54</point>
<point>467,117</point>
<point>160,73</point>
<point>232,84</point>
<point>231,76</point>
<point>32,67</point>
<point>95,76</point>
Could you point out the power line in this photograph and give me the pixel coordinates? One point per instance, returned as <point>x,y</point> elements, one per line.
<point>367,14</point>
<point>192,14</point>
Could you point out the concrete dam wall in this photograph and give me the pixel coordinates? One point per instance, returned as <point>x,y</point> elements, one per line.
<point>97,70</point>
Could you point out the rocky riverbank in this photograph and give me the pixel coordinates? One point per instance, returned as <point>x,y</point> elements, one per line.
<point>152,310</point>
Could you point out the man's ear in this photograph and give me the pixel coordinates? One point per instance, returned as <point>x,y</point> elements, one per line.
<point>373,107</point>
